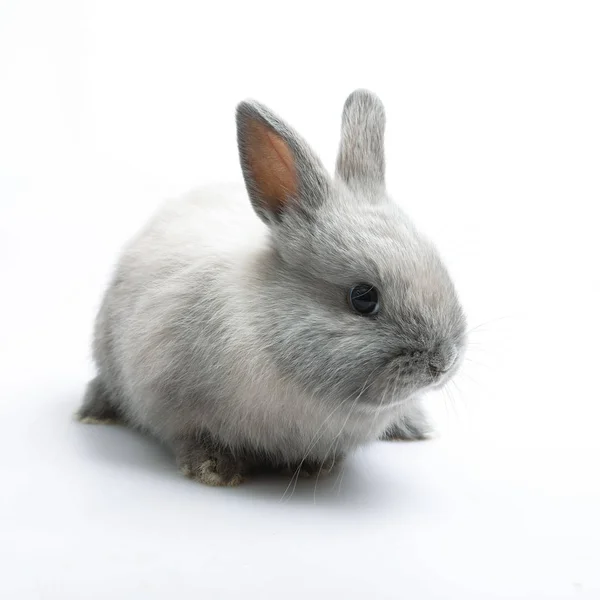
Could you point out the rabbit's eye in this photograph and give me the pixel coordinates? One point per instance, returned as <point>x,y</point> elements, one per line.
<point>364,299</point>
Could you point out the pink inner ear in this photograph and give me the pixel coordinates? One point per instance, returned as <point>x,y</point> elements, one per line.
<point>272,164</point>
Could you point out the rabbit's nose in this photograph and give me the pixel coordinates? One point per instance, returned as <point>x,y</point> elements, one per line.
<point>443,358</point>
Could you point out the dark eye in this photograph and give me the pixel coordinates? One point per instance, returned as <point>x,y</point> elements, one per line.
<point>364,298</point>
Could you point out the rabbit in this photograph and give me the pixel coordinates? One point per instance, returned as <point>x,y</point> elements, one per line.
<point>284,324</point>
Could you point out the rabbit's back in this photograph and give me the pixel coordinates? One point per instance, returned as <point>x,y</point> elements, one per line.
<point>170,283</point>
<point>211,222</point>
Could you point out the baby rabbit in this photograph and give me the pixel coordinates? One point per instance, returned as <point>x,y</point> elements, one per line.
<point>282,325</point>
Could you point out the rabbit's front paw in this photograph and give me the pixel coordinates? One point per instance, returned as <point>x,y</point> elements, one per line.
<point>413,425</point>
<point>405,431</point>
<point>208,465</point>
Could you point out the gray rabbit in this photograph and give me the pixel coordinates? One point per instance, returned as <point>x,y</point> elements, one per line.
<point>283,331</point>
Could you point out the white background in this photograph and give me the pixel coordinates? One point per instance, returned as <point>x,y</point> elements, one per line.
<point>493,146</point>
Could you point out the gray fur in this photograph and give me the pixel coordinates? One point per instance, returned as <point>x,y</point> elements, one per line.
<point>220,326</point>
<point>361,157</point>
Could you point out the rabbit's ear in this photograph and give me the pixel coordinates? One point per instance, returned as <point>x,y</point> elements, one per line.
<point>280,170</point>
<point>361,159</point>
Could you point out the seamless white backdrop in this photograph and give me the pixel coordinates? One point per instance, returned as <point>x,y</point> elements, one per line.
<point>492,146</point>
